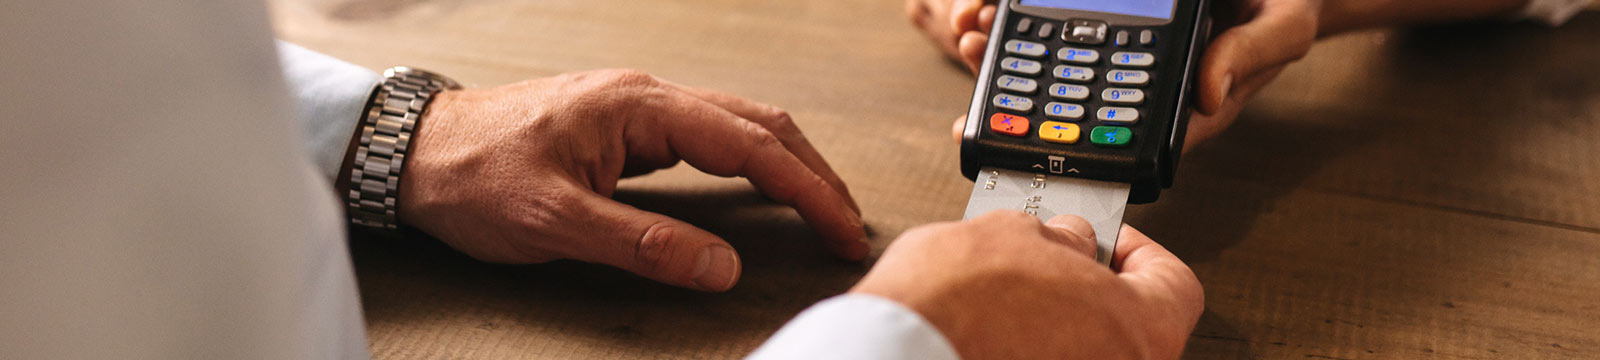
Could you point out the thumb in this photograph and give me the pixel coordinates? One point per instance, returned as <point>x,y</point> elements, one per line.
<point>1077,234</point>
<point>657,247</point>
<point>1156,274</point>
<point>1280,33</point>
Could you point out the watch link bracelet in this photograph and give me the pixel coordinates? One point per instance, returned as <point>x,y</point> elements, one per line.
<point>386,128</point>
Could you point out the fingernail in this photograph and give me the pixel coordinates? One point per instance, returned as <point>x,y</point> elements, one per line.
<point>1087,233</point>
<point>861,247</point>
<point>1227,84</point>
<point>717,269</point>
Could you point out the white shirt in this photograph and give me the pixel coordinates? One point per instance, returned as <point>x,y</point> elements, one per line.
<point>153,201</point>
<point>1553,12</point>
<point>154,205</point>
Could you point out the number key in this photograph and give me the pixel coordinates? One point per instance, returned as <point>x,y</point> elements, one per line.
<point>1021,66</point>
<point>1128,77</point>
<point>1025,48</point>
<point>1133,59</point>
<point>1078,56</point>
<point>1069,92</point>
<point>1063,111</point>
<point>1074,73</point>
<point>1017,84</point>
<point>1123,96</point>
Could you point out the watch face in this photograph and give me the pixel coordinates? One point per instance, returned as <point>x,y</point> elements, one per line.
<point>420,73</point>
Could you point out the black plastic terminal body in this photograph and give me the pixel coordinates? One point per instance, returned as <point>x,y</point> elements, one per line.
<point>1150,162</point>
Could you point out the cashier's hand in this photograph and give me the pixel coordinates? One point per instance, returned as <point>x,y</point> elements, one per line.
<point>523,173</point>
<point>1254,41</point>
<point>1004,286</point>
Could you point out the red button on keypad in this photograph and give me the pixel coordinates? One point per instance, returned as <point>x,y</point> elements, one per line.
<point>1009,124</point>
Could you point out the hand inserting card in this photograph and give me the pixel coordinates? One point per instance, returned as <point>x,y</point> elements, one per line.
<point>1045,196</point>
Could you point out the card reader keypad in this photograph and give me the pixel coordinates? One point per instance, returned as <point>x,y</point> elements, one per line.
<point>1088,94</point>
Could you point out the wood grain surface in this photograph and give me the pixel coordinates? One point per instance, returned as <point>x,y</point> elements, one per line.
<point>1419,194</point>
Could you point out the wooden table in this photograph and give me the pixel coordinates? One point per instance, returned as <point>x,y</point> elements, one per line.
<point>1410,194</point>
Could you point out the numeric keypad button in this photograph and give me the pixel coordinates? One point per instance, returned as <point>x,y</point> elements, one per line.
<point>1013,103</point>
<point>1133,59</point>
<point>1017,84</point>
<point>1009,124</point>
<point>1074,73</point>
<point>1122,96</point>
<point>1128,77</point>
<point>1119,115</point>
<point>1078,56</point>
<point>1111,136</point>
<point>1069,91</point>
<point>1021,66</point>
<point>1063,111</point>
<point>1025,48</point>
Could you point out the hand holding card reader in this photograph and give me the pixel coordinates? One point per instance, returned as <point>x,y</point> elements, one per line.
<point>1081,107</point>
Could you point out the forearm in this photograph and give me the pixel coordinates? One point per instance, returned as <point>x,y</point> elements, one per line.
<point>1340,16</point>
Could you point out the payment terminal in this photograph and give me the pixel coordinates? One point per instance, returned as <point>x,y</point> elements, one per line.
<point>1081,107</point>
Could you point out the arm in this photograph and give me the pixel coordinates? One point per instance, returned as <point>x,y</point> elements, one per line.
<point>857,326</point>
<point>154,202</point>
<point>523,173</point>
<point>1004,286</point>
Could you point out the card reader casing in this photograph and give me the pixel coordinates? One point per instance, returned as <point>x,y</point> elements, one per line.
<point>1151,163</point>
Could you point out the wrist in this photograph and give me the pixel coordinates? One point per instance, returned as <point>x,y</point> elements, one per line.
<point>385,141</point>
<point>426,165</point>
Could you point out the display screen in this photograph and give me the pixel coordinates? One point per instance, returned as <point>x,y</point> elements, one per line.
<point>1160,9</point>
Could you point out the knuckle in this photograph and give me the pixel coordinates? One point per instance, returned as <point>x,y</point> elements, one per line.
<point>628,78</point>
<point>761,137</point>
<point>781,119</point>
<point>654,247</point>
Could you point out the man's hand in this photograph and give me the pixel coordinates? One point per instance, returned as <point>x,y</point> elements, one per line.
<point>1004,286</point>
<point>523,173</point>
<point>1255,40</point>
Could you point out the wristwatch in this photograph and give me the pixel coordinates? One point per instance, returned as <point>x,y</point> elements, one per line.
<point>386,129</point>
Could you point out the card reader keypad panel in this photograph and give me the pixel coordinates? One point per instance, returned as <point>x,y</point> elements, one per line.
<point>1101,78</point>
<point>1081,73</point>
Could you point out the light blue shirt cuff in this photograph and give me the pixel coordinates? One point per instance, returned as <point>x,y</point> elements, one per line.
<point>329,96</point>
<point>1553,12</point>
<point>856,326</point>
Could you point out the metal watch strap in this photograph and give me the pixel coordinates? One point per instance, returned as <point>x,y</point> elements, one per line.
<point>386,131</point>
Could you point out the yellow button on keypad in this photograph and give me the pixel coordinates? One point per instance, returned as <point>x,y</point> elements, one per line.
<point>1059,132</point>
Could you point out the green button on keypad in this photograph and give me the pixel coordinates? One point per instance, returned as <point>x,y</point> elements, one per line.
<point>1111,136</point>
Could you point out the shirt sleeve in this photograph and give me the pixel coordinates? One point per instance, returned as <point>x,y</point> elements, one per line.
<point>329,96</point>
<point>1553,12</point>
<point>855,326</point>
